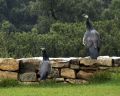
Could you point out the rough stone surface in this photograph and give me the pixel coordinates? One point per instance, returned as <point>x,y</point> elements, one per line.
<point>59,79</point>
<point>59,64</point>
<point>74,64</point>
<point>84,75</point>
<point>55,73</point>
<point>105,61</point>
<point>9,64</point>
<point>68,73</point>
<point>89,68</point>
<point>87,62</point>
<point>75,61</point>
<point>71,70</point>
<point>77,81</point>
<point>116,62</point>
<point>29,65</point>
<point>28,77</point>
<point>10,75</point>
<point>100,61</point>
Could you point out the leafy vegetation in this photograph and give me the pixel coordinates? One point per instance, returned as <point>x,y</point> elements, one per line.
<point>58,25</point>
<point>101,77</point>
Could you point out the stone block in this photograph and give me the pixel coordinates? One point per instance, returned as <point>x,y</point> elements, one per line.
<point>74,64</point>
<point>59,79</point>
<point>104,61</point>
<point>28,77</point>
<point>8,75</point>
<point>59,64</point>
<point>68,73</point>
<point>55,73</point>
<point>77,81</point>
<point>9,64</point>
<point>29,65</point>
<point>84,75</point>
<point>100,61</point>
<point>116,61</point>
<point>87,62</point>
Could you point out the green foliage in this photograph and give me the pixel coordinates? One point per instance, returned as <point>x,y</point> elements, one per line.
<point>113,11</point>
<point>64,39</point>
<point>24,15</point>
<point>43,25</point>
<point>58,25</point>
<point>71,38</point>
<point>8,83</point>
<point>7,27</point>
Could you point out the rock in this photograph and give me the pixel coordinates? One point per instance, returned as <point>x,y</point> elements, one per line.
<point>84,75</point>
<point>74,64</point>
<point>90,68</point>
<point>55,73</point>
<point>59,64</point>
<point>33,61</point>
<point>116,61</point>
<point>29,65</point>
<point>77,81</point>
<point>9,64</point>
<point>59,79</point>
<point>68,73</point>
<point>100,61</point>
<point>103,68</point>
<point>10,75</point>
<point>74,61</point>
<point>87,62</point>
<point>28,77</point>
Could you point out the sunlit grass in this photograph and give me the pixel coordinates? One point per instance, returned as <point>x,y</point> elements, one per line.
<point>63,90</point>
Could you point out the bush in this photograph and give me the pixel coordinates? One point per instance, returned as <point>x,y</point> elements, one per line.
<point>101,77</point>
<point>8,83</point>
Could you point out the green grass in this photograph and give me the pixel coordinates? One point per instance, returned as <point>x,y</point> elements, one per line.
<point>8,83</point>
<point>63,90</point>
<point>109,88</point>
<point>101,77</point>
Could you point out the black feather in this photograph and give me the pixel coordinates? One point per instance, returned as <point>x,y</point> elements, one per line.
<point>89,25</point>
<point>45,67</point>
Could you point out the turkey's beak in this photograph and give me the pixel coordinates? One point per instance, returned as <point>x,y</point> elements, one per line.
<point>85,16</point>
<point>42,49</point>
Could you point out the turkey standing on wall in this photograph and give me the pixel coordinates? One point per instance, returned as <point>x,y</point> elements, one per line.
<point>45,66</point>
<point>91,39</point>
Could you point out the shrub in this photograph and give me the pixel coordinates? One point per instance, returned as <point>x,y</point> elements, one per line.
<point>101,77</point>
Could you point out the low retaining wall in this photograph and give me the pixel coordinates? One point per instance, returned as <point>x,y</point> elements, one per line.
<point>72,70</point>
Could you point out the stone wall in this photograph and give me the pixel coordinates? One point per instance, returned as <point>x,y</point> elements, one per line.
<point>9,68</point>
<point>72,70</point>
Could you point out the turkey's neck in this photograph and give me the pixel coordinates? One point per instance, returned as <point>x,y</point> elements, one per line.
<point>45,55</point>
<point>89,25</point>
